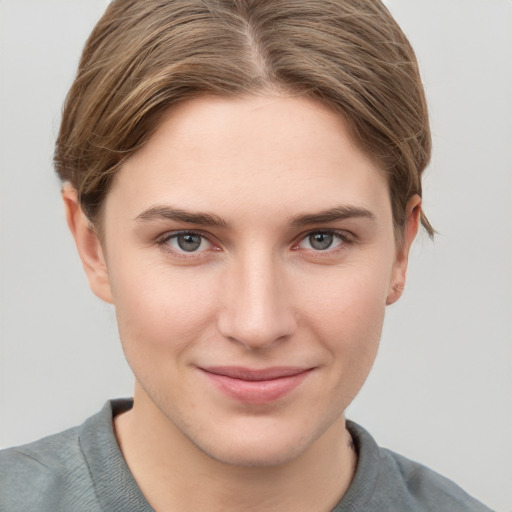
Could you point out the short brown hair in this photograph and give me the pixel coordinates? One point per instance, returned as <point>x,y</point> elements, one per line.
<point>144,56</point>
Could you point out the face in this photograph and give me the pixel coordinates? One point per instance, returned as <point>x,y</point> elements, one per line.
<point>249,251</point>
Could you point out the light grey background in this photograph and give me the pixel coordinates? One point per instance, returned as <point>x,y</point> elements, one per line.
<point>441,388</point>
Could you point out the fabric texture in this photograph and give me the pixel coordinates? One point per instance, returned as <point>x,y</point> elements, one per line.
<point>83,470</point>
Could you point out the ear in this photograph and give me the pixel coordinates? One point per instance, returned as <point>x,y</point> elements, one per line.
<point>88,245</point>
<point>397,282</point>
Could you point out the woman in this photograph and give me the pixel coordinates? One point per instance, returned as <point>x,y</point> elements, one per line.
<point>243,182</point>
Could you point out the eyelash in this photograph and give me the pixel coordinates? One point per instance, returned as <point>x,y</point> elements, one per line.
<point>164,240</point>
<point>344,237</point>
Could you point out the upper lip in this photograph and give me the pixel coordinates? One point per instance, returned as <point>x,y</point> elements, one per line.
<point>238,372</point>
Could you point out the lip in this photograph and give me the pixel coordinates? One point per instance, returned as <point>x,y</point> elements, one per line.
<point>256,386</point>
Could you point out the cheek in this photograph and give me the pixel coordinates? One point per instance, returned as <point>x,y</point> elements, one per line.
<point>351,298</point>
<point>347,318</point>
<point>159,310</point>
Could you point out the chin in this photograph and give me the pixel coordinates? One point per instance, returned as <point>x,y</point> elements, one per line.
<point>258,442</point>
<point>255,454</point>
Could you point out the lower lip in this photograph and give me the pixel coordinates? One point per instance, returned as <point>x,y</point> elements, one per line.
<point>257,391</point>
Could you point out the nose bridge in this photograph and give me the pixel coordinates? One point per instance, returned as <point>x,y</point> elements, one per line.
<point>257,308</point>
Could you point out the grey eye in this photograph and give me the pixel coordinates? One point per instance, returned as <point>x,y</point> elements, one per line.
<point>189,242</point>
<point>321,241</point>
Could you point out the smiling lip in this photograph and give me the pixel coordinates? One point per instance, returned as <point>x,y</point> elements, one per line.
<point>256,386</point>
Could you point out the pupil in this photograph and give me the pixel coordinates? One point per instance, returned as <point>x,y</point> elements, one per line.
<point>320,241</point>
<point>189,242</point>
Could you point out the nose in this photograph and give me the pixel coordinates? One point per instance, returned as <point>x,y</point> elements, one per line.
<point>256,307</point>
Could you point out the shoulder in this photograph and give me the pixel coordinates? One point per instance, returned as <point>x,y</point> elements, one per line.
<point>389,481</point>
<point>47,475</point>
<point>425,486</point>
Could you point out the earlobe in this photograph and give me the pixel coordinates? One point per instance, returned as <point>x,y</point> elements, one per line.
<point>88,245</point>
<point>397,282</point>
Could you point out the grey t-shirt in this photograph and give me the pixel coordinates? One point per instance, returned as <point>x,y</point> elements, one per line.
<point>83,470</point>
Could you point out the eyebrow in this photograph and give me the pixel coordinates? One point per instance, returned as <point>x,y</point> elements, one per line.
<point>176,214</point>
<point>207,219</point>
<point>331,215</point>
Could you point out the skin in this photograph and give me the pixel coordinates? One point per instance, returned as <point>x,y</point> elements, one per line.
<point>255,294</point>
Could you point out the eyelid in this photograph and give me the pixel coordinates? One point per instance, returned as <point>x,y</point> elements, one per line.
<point>169,235</point>
<point>346,237</point>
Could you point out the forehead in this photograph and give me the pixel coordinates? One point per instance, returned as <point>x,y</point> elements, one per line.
<point>274,154</point>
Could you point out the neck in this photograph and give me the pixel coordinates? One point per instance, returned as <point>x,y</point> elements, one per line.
<point>167,467</point>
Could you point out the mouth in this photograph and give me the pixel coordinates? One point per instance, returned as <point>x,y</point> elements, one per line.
<point>256,386</point>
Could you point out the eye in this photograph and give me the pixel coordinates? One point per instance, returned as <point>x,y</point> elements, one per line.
<point>186,242</point>
<point>321,240</point>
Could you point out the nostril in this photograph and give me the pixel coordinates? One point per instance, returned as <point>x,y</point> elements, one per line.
<point>257,328</point>
<point>256,305</point>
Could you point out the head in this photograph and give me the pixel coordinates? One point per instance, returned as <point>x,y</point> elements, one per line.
<point>144,57</point>
<point>243,181</point>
